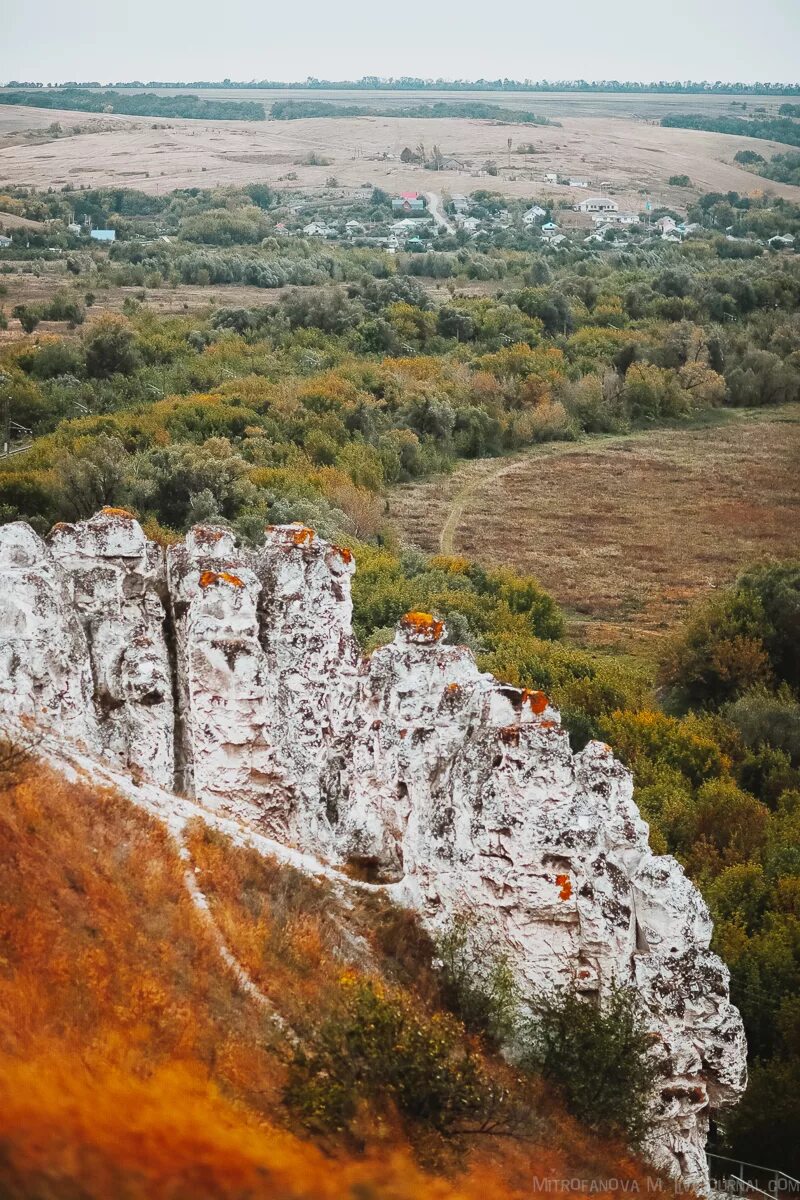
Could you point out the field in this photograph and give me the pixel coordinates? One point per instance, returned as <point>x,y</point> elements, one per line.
<point>629,155</point>
<point>624,531</point>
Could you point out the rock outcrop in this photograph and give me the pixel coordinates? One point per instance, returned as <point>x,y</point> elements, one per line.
<point>232,676</point>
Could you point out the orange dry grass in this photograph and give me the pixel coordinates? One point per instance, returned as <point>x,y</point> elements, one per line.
<point>133,1066</point>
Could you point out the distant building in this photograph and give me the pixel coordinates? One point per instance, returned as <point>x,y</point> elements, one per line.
<point>409,203</point>
<point>533,214</point>
<point>665,225</point>
<point>316,229</point>
<point>5,242</point>
<point>618,218</point>
<point>354,228</point>
<point>579,183</point>
<point>550,177</point>
<point>597,204</point>
<point>103,235</point>
<point>74,228</point>
<point>468,224</point>
<point>460,203</point>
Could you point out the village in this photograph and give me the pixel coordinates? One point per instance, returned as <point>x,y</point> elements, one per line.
<point>424,221</point>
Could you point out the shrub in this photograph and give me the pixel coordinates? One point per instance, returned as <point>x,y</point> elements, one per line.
<point>477,982</point>
<point>378,1048</point>
<point>598,1057</point>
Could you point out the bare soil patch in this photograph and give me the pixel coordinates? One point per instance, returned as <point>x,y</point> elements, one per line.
<point>625,532</point>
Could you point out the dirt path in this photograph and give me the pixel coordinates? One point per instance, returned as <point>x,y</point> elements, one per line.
<point>483,472</point>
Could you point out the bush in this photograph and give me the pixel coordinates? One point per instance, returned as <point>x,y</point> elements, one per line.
<point>377,1048</point>
<point>477,982</point>
<point>598,1057</point>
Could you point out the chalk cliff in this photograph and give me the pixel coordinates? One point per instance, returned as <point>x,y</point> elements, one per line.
<point>232,676</point>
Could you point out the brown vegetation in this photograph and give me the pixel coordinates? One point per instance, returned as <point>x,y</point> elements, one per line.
<point>132,1062</point>
<point>624,531</point>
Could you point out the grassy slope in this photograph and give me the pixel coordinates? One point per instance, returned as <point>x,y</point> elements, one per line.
<point>133,1065</point>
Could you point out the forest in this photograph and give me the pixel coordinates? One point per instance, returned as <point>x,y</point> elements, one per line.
<point>147,105</point>
<point>413,83</point>
<point>292,110</point>
<point>774,129</point>
<point>354,379</point>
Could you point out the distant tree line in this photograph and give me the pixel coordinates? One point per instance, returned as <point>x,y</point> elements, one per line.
<point>147,105</point>
<point>414,84</point>
<point>292,110</point>
<point>773,129</point>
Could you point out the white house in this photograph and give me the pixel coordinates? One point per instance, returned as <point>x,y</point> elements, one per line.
<point>556,240</point>
<point>460,203</point>
<point>468,224</point>
<point>597,204</point>
<point>316,229</point>
<point>533,214</point>
<point>550,177</point>
<point>5,242</point>
<point>616,218</point>
<point>581,183</point>
<point>665,225</point>
<point>74,228</point>
<point>354,228</point>
<point>550,231</point>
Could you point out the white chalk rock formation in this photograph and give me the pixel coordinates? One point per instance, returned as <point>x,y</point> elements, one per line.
<point>45,674</point>
<point>118,589</point>
<point>467,793</point>
<point>459,794</point>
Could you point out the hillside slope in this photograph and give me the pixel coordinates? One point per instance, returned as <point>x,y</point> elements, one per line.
<point>134,1061</point>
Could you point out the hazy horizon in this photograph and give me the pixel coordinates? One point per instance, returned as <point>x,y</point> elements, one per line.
<point>176,41</point>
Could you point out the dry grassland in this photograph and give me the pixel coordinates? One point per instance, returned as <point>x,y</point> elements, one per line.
<point>158,155</point>
<point>624,531</point>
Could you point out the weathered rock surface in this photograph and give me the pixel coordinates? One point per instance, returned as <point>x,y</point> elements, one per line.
<point>233,676</point>
<point>118,585</point>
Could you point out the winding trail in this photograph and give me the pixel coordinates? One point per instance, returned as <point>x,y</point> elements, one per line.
<point>465,494</point>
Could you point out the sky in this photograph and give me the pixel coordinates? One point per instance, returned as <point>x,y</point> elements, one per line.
<point>247,39</point>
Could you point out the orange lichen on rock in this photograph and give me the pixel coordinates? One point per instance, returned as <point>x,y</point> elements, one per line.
<point>117,512</point>
<point>563,882</point>
<point>301,534</point>
<point>422,625</point>
<point>208,578</point>
<point>537,700</point>
<point>453,688</point>
<point>60,525</point>
<point>347,555</point>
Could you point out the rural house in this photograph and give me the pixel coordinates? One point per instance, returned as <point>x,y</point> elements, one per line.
<point>409,203</point>
<point>596,204</point>
<point>5,242</point>
<point>460,204</point>
<point>533,214</point>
